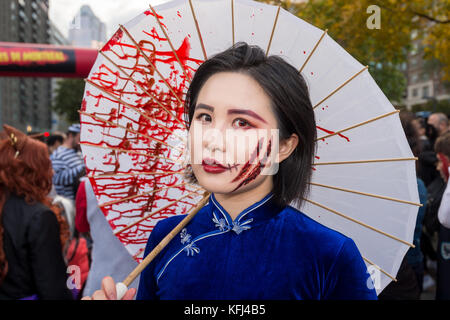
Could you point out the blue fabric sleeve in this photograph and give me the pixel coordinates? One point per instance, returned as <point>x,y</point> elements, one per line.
<point>147,283</point>
<point>348,278</point>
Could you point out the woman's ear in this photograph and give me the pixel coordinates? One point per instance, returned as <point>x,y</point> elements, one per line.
<point>287,146</point>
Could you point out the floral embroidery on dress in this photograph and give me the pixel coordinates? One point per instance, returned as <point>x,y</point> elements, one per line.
<point>239,227</point>
<point>220,223</point>
<point>185,237</point>
<point>191,247</point>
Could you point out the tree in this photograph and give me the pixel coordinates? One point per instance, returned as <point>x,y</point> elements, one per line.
<point>391,81</point>
<point>69,95</point>
<point>387,47</point>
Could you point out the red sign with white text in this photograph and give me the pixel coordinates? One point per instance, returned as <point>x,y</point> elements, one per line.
<point>42,60</point>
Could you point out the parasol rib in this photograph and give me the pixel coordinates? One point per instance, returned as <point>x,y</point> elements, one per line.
<point>376,266</point>
<point>143,173</point>
<point>130,151</point>
<point>170,43</point>
<point>147,93</point>
<point>363,161</point>
<point>366,194</point>
<point>359,124</point>
<point>155,212</point>
<point>314,49</point>
<point>138,47</point>
<point>232,22</point>
<point>360,223</point>
<point>120,101</point>
<point>130,278</point>
<point>198,30</point>
<point>273,30</point>
<point>139,195</point>
<point>127,129</point>
<point>341,86</point>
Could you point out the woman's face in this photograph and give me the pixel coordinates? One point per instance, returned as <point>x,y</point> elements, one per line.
<point>233,135</point>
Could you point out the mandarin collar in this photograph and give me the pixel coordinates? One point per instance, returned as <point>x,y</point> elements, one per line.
<point>260,211</point>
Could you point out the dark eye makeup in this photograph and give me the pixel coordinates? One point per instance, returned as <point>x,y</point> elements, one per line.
<point>240,122</point>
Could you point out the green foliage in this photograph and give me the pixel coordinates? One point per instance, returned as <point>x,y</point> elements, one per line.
<point>67,101</point>
<point>346,21</point>
<point>391,81</point>
<point>434,106</point>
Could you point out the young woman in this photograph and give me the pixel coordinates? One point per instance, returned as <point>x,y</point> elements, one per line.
<point>32,231</point>
<point>247,242</point>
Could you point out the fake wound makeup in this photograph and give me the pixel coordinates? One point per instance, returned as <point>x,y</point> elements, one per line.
<point>249,172</point>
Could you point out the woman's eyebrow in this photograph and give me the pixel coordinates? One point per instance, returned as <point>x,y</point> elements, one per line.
<point>204,106</point>
<point>246,112</point>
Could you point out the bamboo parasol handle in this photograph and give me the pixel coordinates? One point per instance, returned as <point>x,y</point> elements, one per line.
<point>122,287</point>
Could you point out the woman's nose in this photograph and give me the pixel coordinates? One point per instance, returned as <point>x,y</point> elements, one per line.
<point>214,140</point>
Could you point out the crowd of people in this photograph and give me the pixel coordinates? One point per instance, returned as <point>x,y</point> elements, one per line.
<point>426,265</point>
<point>55,242</point>
<point>50,220</point>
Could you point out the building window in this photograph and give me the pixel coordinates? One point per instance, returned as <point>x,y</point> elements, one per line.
<point>425,92</point>
<point>414,92</point>
<point>22,16</point>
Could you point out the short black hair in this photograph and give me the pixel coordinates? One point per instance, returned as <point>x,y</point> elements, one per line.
<point>52,139</point>
<point>288,92</point>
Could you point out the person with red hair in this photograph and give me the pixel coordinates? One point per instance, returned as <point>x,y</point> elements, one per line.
<point>32,230</point>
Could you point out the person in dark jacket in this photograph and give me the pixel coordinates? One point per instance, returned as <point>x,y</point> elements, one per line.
<point>32,231</point>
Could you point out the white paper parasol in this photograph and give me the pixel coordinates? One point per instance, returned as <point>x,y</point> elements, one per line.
<point>133,132</point>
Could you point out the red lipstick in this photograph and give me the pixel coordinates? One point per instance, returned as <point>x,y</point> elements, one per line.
<point>212,166</point>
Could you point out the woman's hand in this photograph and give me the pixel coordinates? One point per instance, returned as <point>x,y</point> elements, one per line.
<point>108,291</point>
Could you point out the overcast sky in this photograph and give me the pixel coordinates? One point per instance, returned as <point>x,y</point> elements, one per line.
<point>111,12</point>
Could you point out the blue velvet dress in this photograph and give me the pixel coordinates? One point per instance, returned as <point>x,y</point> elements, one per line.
<point>268,252</point>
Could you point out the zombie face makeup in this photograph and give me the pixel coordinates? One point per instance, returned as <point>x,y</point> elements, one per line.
<point>235,94</point>
<point>233,134</point>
